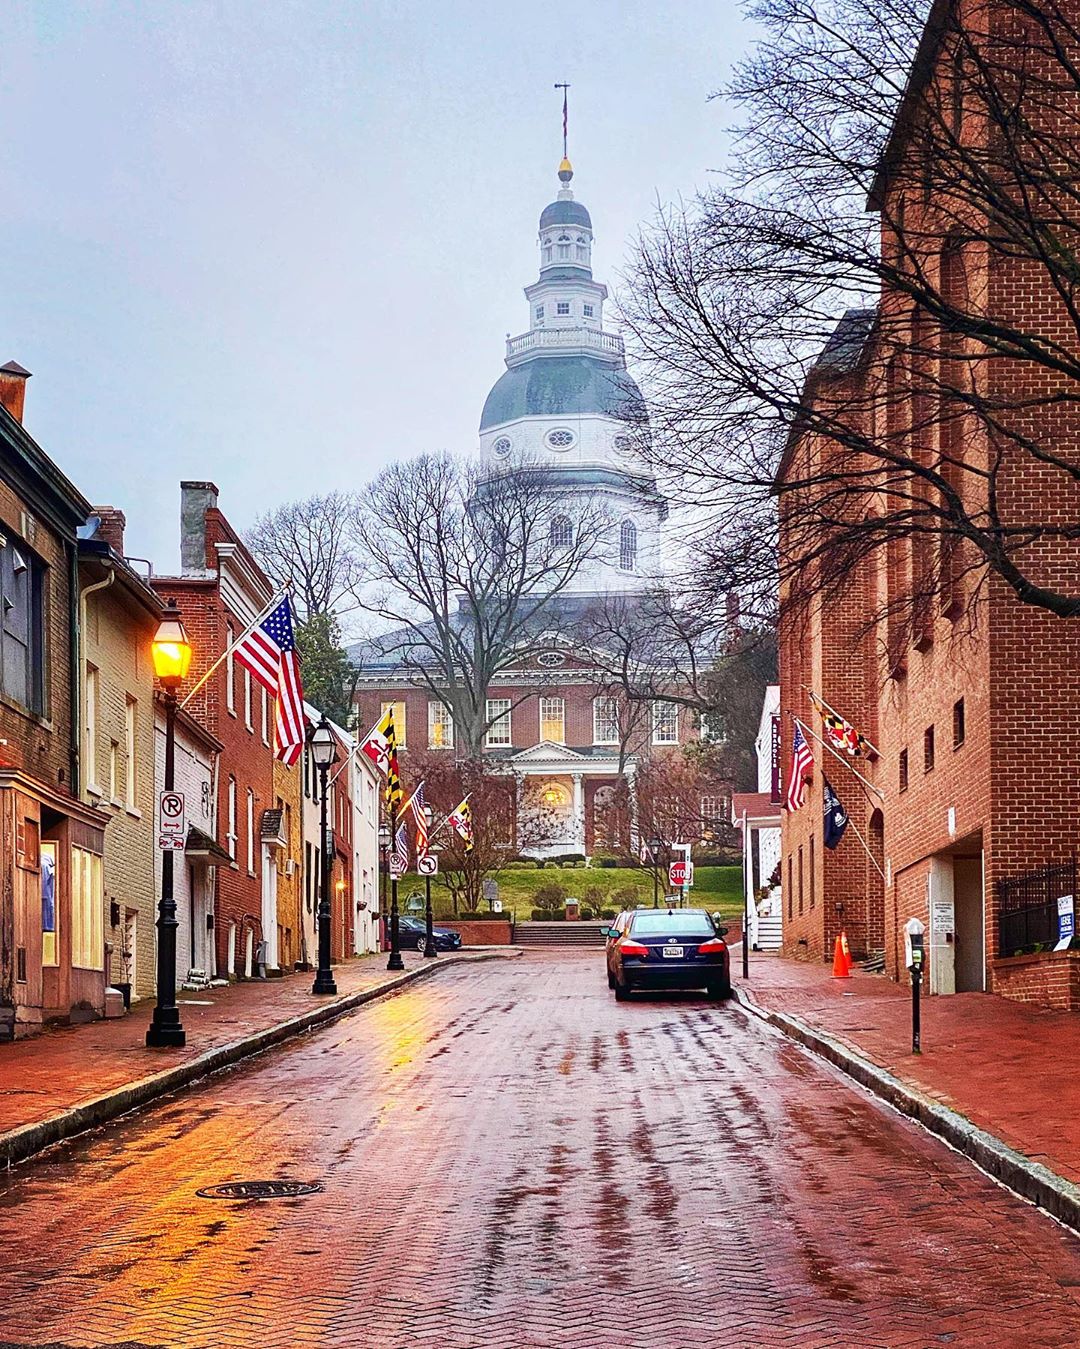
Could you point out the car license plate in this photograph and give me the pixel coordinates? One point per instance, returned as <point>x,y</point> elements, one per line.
<point>673,953</point>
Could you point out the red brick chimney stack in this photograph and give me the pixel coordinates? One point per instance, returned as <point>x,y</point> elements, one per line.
<point>111,528</point>
<point>13,388</point>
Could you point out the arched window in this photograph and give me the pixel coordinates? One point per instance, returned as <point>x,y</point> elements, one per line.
<point>628,546</point>
<point>582,249</point>
<point>562,532</point>
<point>564,246</point>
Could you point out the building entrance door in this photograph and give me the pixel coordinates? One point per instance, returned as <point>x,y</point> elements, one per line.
<point>970,925</point>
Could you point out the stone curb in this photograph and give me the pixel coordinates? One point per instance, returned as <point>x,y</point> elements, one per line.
<point>16,1145</point>
<point>1030,1180</point>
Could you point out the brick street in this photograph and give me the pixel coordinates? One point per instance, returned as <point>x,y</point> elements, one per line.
<point>512,1159</point>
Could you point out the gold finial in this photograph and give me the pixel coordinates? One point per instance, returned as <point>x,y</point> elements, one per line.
<point>566,170</point>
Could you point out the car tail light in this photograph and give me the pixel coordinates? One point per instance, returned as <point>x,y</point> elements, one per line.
<point>712,948</point>
<point>632,948</point>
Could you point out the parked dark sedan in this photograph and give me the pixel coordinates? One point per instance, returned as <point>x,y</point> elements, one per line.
<point>671,948</point>
<point>413,932</point>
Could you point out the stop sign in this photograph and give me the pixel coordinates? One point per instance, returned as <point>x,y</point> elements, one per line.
<point>679,874</point>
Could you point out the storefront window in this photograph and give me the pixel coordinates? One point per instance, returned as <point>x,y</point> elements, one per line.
<point>49,917</point>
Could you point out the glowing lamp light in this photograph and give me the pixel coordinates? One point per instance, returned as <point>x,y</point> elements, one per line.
<point>171,650</point>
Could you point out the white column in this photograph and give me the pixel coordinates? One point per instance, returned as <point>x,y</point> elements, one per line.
<point>269,906</point>
<point>579,807</point>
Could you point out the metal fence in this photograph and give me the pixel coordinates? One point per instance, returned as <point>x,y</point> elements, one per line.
<point>1027,906</point>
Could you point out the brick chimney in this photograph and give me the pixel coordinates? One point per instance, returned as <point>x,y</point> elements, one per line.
<point>196,498</point>
<point>13,388</point>
<point>111,528</point>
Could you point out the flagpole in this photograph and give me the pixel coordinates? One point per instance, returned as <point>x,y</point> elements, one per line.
<point>236,642</point>
<point>867,848</point>
<point>836,755</point>
<point>816,697</point>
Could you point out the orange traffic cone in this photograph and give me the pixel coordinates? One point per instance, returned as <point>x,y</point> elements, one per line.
<point>840,967</point>
<point>848,962</point>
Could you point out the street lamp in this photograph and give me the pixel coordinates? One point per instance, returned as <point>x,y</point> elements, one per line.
<point>384,848</point>
<point>171,654</point>
<point>323,745</point>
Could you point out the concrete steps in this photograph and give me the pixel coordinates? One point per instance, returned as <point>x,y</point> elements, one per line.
<point>559,934</point>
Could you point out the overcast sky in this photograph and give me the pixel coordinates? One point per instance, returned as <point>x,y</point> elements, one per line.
<point>278,244</point>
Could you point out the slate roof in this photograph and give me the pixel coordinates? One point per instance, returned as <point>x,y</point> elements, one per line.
<point>562,386</point>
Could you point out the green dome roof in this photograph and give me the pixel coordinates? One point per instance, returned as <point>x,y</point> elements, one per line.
<point>562,386</point>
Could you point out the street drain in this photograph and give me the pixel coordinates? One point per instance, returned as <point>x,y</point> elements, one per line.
<point>260,1189</point>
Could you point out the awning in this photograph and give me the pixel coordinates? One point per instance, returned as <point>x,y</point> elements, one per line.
<point>760,810</point>
<point>200,847</point>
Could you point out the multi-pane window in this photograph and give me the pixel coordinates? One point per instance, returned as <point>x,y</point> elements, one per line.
<point>230,670</point>
<point>231,834</point>
<point>588,311</point>
<point>130,708</point>
<point>440,725</point>
<point>540,311</point>
<point>665,723</point>
<point>399,722</point>
<point>87,910</point>
<point>251,832</point>
<point>564,247</point>
<point>247,700</point>
<point>22,628</point>
<point>715,809</point>
<point>562,307</point>
<point>712,727</point>
<point>958,729</point>
<point>90,728</point>
<point>928,749</point>
<point>114,771</point>
<point>605,721</point>
<point>903,775</point>
<point>497,714</point>
<point>561,532</point>
<point>553,720</point>
<point>265,714</point>
<point>628,545</point>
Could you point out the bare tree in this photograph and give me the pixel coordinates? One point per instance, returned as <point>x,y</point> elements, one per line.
<point>932,343</point>
<point>469,566</point>
<point>310,543</point>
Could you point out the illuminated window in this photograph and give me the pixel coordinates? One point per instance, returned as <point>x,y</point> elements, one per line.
<point>440,725</point>
<point>553,720</point>
<point>399,722</point>
<point>87,910</point>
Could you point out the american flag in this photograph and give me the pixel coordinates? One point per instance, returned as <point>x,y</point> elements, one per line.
<point>802,766</point>
<point>269,652</point>
<point>401,846</point>
<point>419,814</point>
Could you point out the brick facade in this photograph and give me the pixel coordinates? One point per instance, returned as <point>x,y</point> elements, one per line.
<point>970,697</point>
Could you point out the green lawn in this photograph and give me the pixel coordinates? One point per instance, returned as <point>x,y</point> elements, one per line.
<point>715,888</point>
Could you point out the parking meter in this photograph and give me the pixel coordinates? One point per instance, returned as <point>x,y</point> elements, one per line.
<point>915,953</point>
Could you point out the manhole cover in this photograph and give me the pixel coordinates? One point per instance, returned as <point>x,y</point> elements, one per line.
<point>260,1189</point>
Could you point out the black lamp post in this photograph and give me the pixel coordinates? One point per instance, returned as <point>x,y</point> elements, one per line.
<point>429,940</point>
<point>395,962</point>
<point>324,750</point>
<point>171,653</point>
<point>384,866</point>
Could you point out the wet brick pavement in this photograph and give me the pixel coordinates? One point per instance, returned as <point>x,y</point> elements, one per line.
<point>512,1159</point>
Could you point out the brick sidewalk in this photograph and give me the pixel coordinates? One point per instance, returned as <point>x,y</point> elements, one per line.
<point>47,1074</point>
<point>1005,1066</point>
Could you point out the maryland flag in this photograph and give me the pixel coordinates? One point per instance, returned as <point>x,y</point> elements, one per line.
<point>460,821</point>
<point>393,778</point>
<point>840,734</point>
<point>379,742</point>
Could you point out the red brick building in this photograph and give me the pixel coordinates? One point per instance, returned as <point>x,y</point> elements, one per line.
<point>969,694</point>
<point>52,943</point>
<point>220,591</point>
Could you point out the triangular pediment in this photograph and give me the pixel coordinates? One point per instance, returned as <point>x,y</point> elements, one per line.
<point>545,750</point>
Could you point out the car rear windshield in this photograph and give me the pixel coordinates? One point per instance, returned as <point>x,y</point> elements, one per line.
<point>672,924</point>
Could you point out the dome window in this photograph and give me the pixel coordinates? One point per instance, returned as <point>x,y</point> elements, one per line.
<point>561,533</point>
<point>623,444</point>
<point>502,447</point>
<point>560,440</point>
<point>562,307</point>
<point>547,252</point>
<point>628,546</point>
<point>539,313</point>
<point>588,311</point>
<point>564,247</point>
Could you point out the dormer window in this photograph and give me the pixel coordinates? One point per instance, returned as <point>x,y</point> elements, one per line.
<point>562,307</point>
